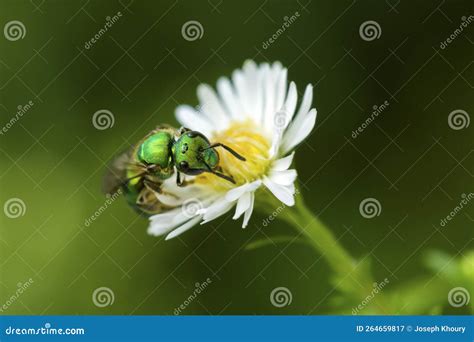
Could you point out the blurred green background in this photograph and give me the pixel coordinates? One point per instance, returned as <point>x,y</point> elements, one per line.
<point>53,158</point>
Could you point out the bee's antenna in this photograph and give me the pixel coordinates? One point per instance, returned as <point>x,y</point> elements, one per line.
<point>235,154</point>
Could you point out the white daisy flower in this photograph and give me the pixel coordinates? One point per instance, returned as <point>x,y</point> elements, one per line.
<point>255,113</point>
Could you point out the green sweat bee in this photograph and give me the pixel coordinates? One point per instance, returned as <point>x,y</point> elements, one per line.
<point>165,151</point>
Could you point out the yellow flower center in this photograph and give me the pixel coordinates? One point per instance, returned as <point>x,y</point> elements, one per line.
<point>246,139</point>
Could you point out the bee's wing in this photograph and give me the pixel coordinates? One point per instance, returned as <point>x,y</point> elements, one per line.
<point>116,172</point>
<point>164,126</point>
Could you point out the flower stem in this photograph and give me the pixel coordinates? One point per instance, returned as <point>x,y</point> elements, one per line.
<point>320,237</point>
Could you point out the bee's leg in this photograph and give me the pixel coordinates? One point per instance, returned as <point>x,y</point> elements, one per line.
<point>219,174</point>
<point>179,181</point>
<point>182,181</point>
<point>152,186</point>
<point>235,154</point>
<point>143,198</point>
<point>147,203</point>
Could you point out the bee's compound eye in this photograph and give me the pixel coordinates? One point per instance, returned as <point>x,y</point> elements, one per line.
<point>183,166</point>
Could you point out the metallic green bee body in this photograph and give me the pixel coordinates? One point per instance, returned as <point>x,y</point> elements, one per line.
<point>165,151</point>
<point>192,154</point>
<point>156,150</point>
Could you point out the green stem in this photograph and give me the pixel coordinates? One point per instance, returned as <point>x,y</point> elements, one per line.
<point>321,238</point>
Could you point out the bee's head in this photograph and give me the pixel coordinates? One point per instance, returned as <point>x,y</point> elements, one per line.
<point>192,154</point>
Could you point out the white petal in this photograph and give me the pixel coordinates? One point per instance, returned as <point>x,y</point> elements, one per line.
<point>169,200</point>
<point>281,88</point>
<point>192,119</point>
<point>302,113</point>
<point>238,79</point>
<point>212,107</point>
<point>285,177</point>
<point>253,88</point>
<point>218,208</point>
<point>242,205</point>
<point>291,188</point>
<point>164,217</point>
<point>274,94</point>
<point>181,229</point>
<point>282,113</point>
<point>229,98</point>
<point>163,223</point>
<point>282,118</point>
<point>290,103</point>
<point>307,99</point>
<point>280,192</point>
<point>269,93</point>
<point>283,163</point>
<point>248,212</point>
<point>298,131</point>
<point>276,142</point>
<point>235,193</point>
